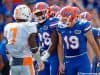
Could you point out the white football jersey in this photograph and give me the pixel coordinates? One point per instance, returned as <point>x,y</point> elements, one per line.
<point>17,35</point>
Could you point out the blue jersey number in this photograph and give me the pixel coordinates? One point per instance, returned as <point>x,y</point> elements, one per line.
<point>72,42</point>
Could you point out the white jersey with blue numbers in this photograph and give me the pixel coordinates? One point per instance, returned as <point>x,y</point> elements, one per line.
<point>74,39</point>
<point>45,31</point>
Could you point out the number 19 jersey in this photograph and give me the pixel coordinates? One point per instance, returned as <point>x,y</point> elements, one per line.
<point>74,39</point>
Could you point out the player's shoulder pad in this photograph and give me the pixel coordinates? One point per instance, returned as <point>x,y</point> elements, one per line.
<point>85,25</point>
<point>31,27</point>
<point>34,23</point>
<point>7,26</point>
<point>61,25</point>
<point>53,19</point>
<point>31,24</point>
<point>84,22</point>
<point>53,22</point>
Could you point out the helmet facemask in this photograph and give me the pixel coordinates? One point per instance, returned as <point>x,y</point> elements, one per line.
<point>39,16</point>
<point>66,21</point>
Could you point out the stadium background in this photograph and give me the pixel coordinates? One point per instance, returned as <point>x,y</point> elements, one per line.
<point>7,7</point>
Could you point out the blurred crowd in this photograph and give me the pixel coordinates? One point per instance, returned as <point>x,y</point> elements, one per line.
<point>7,7</point>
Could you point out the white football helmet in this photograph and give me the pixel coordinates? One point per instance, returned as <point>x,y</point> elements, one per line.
<point>22,12</point>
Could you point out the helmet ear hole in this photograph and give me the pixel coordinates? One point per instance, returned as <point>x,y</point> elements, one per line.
<point>39,16</point>
<point>39,13</point>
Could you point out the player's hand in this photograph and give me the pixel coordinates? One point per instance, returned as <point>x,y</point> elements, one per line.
<point>41,66</point>
<point>45,55</point>
<point>61,69</point>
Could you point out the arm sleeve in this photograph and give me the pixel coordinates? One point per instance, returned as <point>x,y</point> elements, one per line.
<point>86,26</point>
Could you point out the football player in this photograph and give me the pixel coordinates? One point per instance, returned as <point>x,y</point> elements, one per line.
<point>73,35</point>
<point>48,38</point>
<point>96,34</point>
<point>21,42</point>
<point>96,62</point>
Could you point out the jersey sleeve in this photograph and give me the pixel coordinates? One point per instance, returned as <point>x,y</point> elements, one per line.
<point>96,32</point>
<point>86,26</point>
<point>60,27</point>
<point>53,23</point>
<point>32,28</point>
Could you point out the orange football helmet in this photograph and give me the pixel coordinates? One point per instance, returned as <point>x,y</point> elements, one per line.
<point>66,12</point>
<point>54,10</point>
<point>70,14</point>
<point>76,13</point>
<point>85,15</point>
<point>40,12</point>
<point>41,6</point>
<point>65,15</point>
